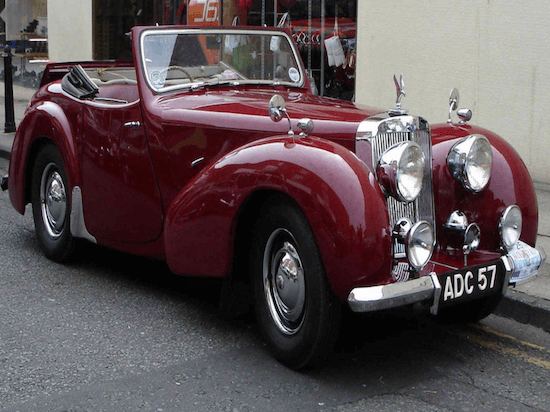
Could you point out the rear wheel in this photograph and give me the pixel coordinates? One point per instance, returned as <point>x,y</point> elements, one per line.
<point>297,311</point>
<point>51,204</point>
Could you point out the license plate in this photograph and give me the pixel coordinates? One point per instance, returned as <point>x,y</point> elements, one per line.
<point>471,283</point>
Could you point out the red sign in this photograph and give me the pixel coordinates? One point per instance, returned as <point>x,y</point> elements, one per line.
<point>203,13</point>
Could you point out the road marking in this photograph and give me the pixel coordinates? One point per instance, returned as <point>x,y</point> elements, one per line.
<point>504,350</point>
<point>497,347</point>
<point>510,337</point>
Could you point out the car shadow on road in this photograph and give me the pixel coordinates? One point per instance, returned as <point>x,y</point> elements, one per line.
<point>374,342</point>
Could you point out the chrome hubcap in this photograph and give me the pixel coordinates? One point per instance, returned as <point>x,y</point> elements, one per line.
<point>53,201</point>
<point>284,282</point>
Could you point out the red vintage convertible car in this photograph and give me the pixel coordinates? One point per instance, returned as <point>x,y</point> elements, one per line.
<point>182,155</point>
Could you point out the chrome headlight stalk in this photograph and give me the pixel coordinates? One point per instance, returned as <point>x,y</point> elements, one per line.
<point>509,227</point>
<point>400,171</point>
<point>470,162</point>
<point>401,230</point>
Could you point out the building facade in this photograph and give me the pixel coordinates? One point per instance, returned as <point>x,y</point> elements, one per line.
<point>495,53</point>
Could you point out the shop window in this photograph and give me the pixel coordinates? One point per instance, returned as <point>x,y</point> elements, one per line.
<point>313,22</point>
<point>330,62</point>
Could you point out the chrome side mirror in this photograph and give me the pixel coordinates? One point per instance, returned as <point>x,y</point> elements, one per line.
<point>453,102</point>
<point>277,108</point>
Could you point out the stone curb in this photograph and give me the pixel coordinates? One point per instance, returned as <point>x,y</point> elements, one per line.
<point>525,308</point>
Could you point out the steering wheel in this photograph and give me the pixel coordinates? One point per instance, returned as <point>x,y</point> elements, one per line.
<point>179,68</point>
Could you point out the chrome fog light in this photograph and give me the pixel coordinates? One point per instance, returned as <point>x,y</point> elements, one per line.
<point>420,244</point>
<point>400,171</point>
<point>470,162</point>
<point>510,226</point>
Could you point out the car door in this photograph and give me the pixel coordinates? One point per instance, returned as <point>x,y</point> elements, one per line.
<point>121,198</point>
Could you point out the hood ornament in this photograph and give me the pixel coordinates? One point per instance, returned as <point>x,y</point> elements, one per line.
<point>400,89</point>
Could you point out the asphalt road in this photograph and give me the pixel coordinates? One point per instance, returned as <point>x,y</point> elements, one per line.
<point>111,332</point>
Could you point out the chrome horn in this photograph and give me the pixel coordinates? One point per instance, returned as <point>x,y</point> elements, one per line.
<point>463,114</point>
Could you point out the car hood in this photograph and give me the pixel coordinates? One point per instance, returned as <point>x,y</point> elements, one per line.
<point>247,109</point>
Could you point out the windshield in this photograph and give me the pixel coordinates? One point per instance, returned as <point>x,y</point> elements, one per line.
<point>175,59</point>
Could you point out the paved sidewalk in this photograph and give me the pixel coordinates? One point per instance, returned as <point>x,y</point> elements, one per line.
<point>526,303</point>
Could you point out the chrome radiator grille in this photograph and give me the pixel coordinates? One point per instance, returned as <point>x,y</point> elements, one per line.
<point>384,132</point>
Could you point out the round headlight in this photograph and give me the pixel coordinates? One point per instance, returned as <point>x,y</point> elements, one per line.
<point>400,171</point>
<point>420,244</point>
<point>510,226</point>
<point>470,161</point>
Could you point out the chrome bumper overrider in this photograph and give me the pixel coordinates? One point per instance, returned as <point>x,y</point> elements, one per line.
<point>521,264</point>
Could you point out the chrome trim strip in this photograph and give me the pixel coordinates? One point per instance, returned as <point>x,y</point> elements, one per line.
<point>197,161</point>
<point>509,268</point>
<point>78,226</point>
<point>437,294</point>
<point>132,124</point>
<point>374,298</point>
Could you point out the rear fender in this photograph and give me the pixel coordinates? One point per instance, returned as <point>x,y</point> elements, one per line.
<point>43,122</point>
<point>334,189</point>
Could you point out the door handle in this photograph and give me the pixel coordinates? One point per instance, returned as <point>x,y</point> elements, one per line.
<point>132,124</point>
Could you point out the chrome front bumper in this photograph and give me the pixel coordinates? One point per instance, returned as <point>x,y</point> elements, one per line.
<point>521,264</point>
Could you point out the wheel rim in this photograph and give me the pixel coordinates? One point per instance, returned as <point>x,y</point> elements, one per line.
<point>284,282</point>
<point>53,201</point>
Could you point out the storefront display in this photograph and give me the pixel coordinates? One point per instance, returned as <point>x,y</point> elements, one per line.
<point>325,30</point>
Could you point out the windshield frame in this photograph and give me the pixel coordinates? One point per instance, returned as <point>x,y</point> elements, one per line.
<point>167,31</point>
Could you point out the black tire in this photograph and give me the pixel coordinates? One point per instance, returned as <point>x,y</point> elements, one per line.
<point>300,324</point>
<point>470,312</point>
<point>50,197</point>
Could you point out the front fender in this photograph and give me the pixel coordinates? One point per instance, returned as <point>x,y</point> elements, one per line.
<point>334,189</point>
<point>510,183</point>
<point>45,120</point>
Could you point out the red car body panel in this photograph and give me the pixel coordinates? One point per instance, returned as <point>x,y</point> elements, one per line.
<point>175,186</point>
<point>343,204</point>
<point>510,184</point>
<point>45,118</point>
<point>117,173</point>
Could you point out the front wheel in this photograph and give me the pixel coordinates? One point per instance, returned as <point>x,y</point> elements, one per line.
<point>296,309</point>
<point>50,204</point>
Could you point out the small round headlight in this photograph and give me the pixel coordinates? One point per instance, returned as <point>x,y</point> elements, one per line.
<point>510,226</point>
<point>400,171</point>
<point>420,244</point>
<point>470,161</point>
